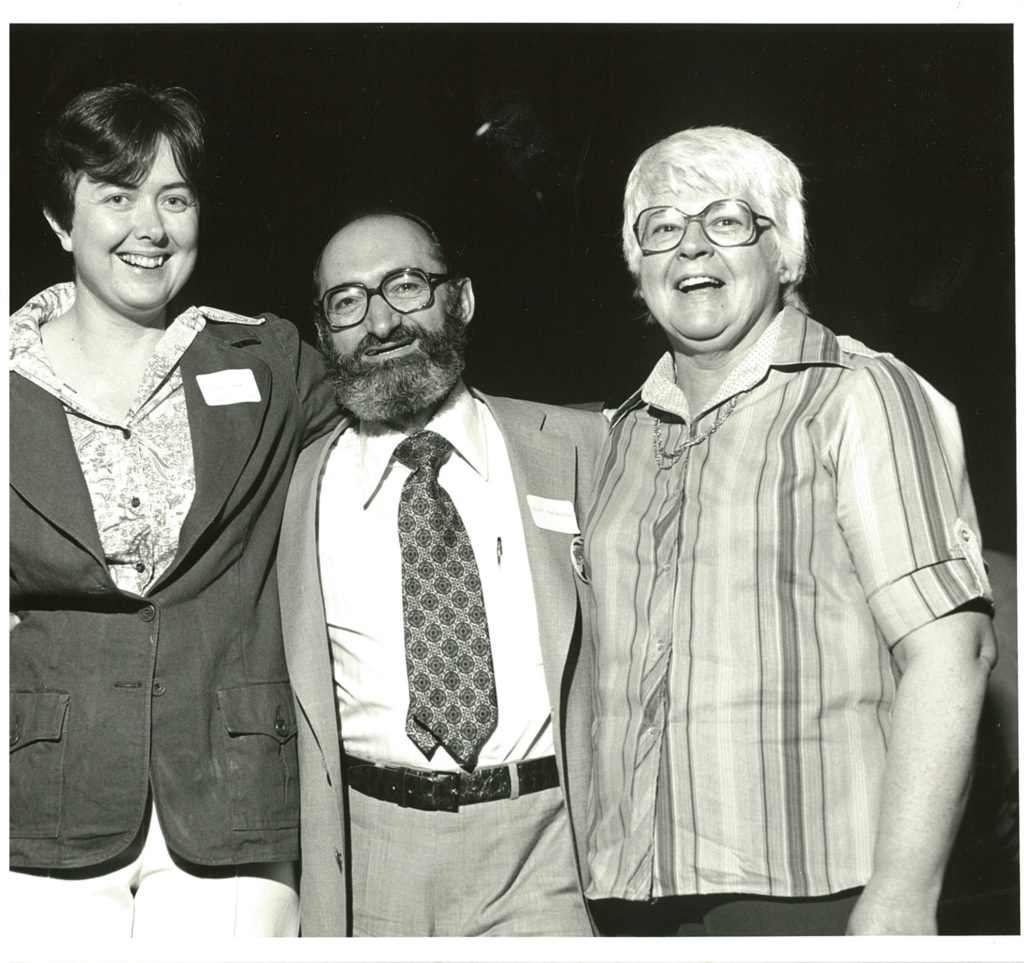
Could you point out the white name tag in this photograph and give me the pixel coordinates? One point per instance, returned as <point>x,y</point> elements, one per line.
<point>554,514</point>
<point>228,387</point>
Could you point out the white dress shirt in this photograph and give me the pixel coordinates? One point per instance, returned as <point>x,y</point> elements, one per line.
<point>360,569</point>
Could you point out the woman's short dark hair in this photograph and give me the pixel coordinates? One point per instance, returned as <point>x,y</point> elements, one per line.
<point>112,134</point>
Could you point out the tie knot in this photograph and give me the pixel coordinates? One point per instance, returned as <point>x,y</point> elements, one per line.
<point>424,449</point>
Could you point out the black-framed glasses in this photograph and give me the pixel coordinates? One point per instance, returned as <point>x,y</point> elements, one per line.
<point>406,290</point>
<point>725,223</point>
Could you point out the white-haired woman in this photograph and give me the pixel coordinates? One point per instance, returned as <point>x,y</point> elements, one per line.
<point>791,616</point>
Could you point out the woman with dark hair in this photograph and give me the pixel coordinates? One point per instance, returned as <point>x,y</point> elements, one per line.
<point>150,457</point>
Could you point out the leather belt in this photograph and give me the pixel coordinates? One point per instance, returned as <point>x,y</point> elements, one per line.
<point>447,791</point>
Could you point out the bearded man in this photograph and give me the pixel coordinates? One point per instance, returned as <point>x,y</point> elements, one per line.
<point>431,617</point>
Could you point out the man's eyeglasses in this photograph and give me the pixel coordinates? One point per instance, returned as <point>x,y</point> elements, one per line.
<point>406,290</point>
<point>727,223</point>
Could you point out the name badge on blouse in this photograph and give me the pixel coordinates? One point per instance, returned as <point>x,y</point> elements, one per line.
<point>231,386</point>
<point>554,514</point>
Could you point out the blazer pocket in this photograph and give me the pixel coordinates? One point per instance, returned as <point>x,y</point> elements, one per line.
<point>37,737</point>
<point>262,761</point>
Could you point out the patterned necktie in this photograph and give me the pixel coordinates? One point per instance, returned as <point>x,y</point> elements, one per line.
<point>452,699</point>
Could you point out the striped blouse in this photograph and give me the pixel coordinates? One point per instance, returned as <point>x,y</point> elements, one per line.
<point>749,582</point>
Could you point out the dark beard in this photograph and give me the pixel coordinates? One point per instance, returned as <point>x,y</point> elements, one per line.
<point>395,391</point>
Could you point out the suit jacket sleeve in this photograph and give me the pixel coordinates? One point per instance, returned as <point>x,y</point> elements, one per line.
<point>312,383</point>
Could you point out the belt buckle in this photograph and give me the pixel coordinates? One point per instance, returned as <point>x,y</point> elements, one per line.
<point>427,791</point>
<point>404,789</point>
<point>446,792</point>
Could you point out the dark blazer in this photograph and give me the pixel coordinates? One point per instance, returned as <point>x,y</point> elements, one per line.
<point>553,452</point>
<point>183,693</point>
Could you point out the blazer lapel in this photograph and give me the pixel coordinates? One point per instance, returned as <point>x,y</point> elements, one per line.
<point>302,606</point>
<point>223,436</point>
<point>45,470</point>
<point>544,464</point>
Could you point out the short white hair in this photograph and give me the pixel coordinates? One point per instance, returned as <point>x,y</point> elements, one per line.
<point>733,163</point>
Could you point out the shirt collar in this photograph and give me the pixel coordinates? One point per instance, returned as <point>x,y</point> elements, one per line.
<point>792,340</point>
<point>28,358</point>
<point>458,419</point>
<point>26,347</point>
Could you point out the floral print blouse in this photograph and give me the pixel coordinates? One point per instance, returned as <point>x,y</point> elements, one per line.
<point>140,472</point>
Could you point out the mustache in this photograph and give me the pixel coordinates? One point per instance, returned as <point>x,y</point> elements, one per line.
<point>403,332</point>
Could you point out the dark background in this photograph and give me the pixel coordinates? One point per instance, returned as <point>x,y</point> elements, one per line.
<point>904,135</point>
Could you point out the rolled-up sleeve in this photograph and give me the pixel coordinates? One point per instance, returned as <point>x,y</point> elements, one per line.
<point>903,497</point>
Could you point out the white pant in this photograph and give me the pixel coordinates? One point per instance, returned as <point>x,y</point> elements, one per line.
<point>152,896</point>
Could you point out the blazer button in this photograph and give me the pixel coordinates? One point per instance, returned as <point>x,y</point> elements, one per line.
<point>280,726</point>
<point>16,734</point>
<point>158,687</point>
<point>147,613</point>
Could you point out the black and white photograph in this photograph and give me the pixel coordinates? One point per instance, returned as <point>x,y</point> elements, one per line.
<point>507,479</point>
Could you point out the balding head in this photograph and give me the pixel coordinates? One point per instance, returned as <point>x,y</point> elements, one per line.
<point>392,232</point>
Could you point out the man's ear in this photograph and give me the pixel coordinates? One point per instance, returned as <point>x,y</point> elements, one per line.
<point>467,300</point>
<point>63,236</point>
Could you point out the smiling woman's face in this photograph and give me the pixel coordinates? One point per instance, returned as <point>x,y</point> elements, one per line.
<point>134,247</point>
<point>708,299</point>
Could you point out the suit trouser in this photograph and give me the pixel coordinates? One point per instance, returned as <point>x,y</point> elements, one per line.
<point>147,892</point>
<point>500,868</point>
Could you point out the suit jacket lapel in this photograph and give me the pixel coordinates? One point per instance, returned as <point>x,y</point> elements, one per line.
<point>544,464</point>
<point>302,605</point>
<point>45,470</point>
<point>223,436</point>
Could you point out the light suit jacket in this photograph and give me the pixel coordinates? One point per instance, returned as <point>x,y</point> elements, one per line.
<point>553,452</point>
